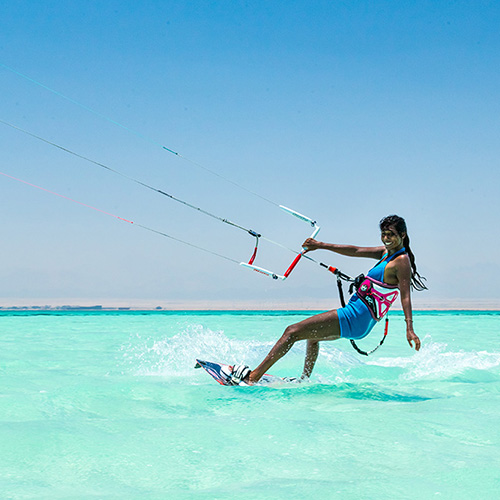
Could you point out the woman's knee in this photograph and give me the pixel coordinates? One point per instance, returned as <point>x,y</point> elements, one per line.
<point>296,332</point>
<point>292,333</point>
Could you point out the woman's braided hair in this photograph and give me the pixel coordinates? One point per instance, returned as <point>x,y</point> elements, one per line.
<point>399,224</point>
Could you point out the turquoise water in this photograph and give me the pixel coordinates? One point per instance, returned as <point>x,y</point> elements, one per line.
<point>108,405</point>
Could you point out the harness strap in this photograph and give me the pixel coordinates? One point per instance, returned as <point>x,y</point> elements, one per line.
<point>341,291</point>
<point>364,353</point>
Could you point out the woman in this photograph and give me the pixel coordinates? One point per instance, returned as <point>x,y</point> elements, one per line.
<point>396,269</point>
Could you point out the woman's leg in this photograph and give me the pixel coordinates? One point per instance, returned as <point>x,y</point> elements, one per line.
<point>312,351</point>
<point>324,326</point>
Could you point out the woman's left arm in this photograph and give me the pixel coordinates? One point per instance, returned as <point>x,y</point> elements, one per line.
<point>403,270</point>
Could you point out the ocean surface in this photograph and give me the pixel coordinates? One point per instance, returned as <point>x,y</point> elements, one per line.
<point>108,405</point>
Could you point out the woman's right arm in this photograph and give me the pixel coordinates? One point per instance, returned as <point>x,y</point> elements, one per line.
<point>348,250</point>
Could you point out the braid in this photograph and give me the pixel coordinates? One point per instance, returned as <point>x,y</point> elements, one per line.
<point>417,281</point>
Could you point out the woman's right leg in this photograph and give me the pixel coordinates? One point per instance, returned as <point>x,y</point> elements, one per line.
<point>324,326</point>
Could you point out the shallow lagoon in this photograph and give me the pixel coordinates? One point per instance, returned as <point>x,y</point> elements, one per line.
<point>108,405</point>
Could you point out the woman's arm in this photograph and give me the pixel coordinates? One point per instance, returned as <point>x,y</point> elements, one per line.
<point>403,271</point>
<point>349,250</point>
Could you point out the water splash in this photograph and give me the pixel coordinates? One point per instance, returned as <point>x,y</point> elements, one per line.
<point>436,362</point>
<point>175,356</point>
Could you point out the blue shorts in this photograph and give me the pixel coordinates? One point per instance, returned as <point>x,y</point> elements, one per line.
<point>355,319</point>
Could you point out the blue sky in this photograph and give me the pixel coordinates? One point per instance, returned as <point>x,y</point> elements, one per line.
<point>344,111</point>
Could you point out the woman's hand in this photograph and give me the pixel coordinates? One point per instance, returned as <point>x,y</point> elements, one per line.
<point>311,244</point>
<point>412,337</point>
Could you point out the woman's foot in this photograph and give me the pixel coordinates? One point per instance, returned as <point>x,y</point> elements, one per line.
<point>240,375</point>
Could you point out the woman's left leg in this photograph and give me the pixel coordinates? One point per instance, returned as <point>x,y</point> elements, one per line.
<point>312,351</point>
<point>324,326</point>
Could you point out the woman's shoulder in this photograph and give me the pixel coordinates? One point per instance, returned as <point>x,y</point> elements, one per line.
<point>401,264</point>
<point>400,261</point>
<point>403,257</point>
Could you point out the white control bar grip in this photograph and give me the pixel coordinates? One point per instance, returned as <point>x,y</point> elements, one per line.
<point>298,215</point>
<point>262,271</point>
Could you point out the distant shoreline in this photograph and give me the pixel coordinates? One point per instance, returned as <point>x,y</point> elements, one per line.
<point>222,305</point>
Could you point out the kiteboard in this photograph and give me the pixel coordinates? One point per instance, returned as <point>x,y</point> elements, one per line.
<point>222,374</point>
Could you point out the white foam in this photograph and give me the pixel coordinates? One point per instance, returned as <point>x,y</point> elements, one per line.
<point>175,356</point>
<point>435,361</point>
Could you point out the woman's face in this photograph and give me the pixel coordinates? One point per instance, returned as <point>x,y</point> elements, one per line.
<point>391,239</point>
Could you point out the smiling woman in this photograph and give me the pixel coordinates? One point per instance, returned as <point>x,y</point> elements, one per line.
<point>395,269</point>
<point>393,229</point>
